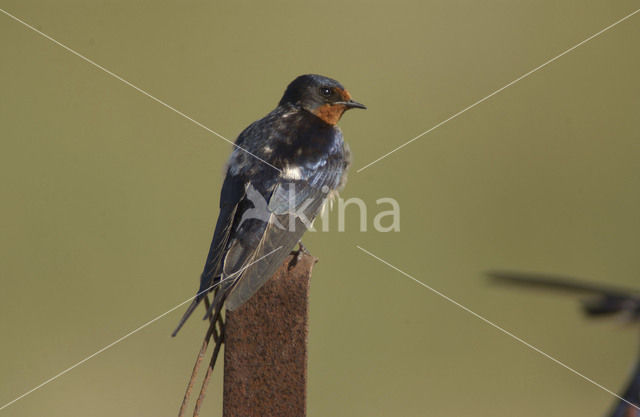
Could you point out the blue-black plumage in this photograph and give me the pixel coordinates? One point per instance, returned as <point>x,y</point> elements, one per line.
<point>282,170</point>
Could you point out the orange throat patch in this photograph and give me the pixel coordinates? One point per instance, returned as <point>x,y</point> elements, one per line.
<point>330,113</point>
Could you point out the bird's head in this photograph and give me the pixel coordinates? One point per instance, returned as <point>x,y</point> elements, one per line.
<point>322,96</point>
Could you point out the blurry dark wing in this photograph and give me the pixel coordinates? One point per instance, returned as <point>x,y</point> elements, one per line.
<point>233,192</point>
<point>631,394</point>
<point>605,300</point>
<point>291,205</point>
<point>559,283</point>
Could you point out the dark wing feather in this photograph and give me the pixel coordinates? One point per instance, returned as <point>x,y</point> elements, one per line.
<point>284,229</point>
<point>631,394</point>
<point>560,283</point>
<point>604,300</point>
<point>232,194</point>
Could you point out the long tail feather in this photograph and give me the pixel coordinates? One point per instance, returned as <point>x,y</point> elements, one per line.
<point>186,315</point>
<point>215,330</point>
<point>194,373</point>
<point>212,364</point>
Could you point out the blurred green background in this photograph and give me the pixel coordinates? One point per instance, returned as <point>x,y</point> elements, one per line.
<point>109,199</point>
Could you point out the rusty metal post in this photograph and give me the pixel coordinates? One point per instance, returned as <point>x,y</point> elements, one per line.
<point>265,354</point>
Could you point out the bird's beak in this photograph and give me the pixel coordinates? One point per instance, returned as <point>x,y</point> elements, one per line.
<point>350,104</point>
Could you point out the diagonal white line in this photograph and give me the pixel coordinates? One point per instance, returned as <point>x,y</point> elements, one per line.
<point>492,324</point>
<point>499,90</point>
<point>116,76</point>
<point>132,332</point>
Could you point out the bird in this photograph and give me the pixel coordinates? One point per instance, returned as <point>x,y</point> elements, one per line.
<point>600,301</point>
<point>282,170</point>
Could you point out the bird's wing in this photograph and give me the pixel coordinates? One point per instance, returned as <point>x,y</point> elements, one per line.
<point>291,205</point>
<point>603,300</point>
<point>231,196</point>
<point>631,394</point>
<point>560,283</point>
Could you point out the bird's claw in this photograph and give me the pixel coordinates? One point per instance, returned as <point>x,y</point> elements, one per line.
<point>297,255</point>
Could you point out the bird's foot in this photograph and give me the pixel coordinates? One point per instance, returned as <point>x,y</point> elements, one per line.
<point>298,254</point>
<point>302,248</point>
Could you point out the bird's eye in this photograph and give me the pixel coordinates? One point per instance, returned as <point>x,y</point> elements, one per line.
<point>325,91</point>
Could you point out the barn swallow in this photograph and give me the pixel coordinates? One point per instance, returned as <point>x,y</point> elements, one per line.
<point>601,301</point>
<point>282,170</point>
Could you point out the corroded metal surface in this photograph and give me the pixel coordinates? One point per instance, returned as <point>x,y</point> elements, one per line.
<point>265,358</point>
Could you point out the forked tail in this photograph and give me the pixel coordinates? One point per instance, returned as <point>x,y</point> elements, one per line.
<point>215,330</point>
